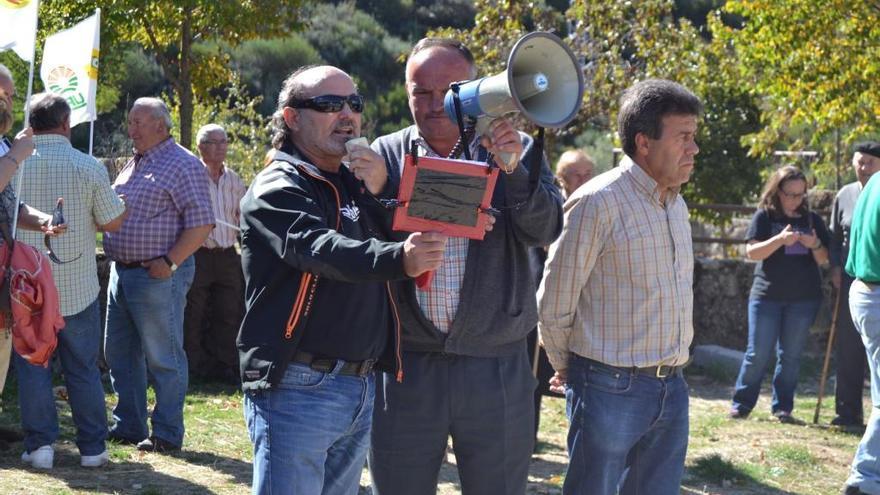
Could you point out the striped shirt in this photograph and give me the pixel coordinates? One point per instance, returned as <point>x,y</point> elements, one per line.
<point>617,285</point>
<point>57,170</point>
<point>226,194</point>
<point>166,192</point>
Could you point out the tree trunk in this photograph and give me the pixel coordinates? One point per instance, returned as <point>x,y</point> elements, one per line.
<point>186,90</point>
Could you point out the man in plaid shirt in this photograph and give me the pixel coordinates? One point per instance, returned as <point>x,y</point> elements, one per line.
<point>166,190</point>
<point>59,170</point>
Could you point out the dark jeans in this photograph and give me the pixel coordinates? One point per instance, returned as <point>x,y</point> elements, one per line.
<point>214,309</point>
<point>851,361</point>
<point>628,432</point>
<point>485,404</point>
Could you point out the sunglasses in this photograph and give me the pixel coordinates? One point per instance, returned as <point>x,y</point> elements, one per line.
<point>331,103</point>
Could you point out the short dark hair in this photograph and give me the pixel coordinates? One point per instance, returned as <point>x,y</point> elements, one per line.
<point>643,106</point>
<point>291,89</point>
<point>447,43</point>
<point>48,111</point>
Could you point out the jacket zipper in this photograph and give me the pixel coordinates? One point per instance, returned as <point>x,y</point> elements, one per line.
<point>304,289</point>
<point>397,354</point>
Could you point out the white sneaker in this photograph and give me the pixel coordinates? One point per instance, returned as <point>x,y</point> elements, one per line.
<point>93,461</point>
<point>41,458</point>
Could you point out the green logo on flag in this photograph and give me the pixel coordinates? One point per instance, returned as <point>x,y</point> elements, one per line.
<point>64,81</point>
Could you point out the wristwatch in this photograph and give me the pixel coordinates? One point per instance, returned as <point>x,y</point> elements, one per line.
<point>169,262</point>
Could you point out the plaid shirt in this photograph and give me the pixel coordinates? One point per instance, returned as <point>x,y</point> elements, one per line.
<point>617,285</point>
<point>440,303</point>
<point>57,170</point>
<point>225,197</point>
<point>166,191</point>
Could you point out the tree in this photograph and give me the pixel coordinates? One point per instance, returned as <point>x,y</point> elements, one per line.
<point>170,30</point>
<point>814,63</point>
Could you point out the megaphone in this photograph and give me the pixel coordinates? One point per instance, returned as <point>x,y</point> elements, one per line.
<point>543,82</point>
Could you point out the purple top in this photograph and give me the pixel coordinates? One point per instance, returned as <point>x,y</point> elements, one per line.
<point>166,191</point>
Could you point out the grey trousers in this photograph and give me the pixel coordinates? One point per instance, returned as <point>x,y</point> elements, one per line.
<point>485,404</point>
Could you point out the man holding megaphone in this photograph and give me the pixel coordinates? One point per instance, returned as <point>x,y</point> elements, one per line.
<point>464,339</point>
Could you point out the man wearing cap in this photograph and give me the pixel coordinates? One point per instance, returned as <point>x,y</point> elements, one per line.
<point>863,264</point>
<point>850,351</point>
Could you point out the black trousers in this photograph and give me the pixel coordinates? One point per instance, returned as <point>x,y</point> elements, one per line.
<point>214,309</point>
<point>851,361</point>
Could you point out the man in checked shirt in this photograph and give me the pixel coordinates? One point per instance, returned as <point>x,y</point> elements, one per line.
<point>616,304</point>
<point>215,302</point>
<point>166,192</point>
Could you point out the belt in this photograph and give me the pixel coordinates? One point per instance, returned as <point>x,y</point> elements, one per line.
<point>326,365</point>
<point>133,264</point>
<point>217,249</point>
<point>659,371</point>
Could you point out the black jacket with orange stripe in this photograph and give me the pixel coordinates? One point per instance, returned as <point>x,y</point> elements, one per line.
<point>289,243</point>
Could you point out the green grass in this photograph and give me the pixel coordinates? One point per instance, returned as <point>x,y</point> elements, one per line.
<point>725,457</point>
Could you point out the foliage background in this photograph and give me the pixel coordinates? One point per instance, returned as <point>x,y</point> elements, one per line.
<point>774,74</point>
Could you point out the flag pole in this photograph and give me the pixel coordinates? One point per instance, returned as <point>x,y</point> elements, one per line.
<point>27,115</point>
<point>92,123</point>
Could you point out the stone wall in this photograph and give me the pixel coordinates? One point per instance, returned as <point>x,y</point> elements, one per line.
<point>721,293</point>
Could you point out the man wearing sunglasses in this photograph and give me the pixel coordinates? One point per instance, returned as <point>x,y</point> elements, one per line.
<point>464,339</point>
<point>320,315</point>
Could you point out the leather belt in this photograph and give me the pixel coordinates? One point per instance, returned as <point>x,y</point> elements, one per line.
<point>326,365</point>
<point>217,249</point>
<point>659,371</point>
<point>133,264</point>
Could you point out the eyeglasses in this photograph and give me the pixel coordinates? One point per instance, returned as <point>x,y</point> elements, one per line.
<point>792,195</point>
<point>214,143</point>
<point>331,103</point>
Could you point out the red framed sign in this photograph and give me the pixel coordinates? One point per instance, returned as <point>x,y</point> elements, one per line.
<point>444,195</point>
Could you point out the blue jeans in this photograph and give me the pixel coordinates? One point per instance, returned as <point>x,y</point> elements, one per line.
<point>777,326</point>
<point>78,345</point>
<point>310,432</point>
<point>145,332</point>
<point>864,304</point>
<point>628,432</point>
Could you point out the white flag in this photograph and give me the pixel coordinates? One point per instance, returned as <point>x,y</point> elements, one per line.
<point>70,67</point>
<point>18,27</point>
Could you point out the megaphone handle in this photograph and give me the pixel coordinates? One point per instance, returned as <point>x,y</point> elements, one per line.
<point>423,281</point>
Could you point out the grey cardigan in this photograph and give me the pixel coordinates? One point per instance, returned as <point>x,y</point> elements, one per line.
<point>497,306</point>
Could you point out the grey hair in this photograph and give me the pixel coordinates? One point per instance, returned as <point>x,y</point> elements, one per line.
<point>644,105</point>
<point>206,129</point>
<point>48,111</point>
<point>158,108</point>
<point>292,89</point>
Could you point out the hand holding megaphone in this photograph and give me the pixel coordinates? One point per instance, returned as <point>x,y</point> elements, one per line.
<point>501,139</point>
<point>543,82</point>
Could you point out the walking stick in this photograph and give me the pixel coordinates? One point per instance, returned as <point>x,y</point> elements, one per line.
<point>827,356</point>
<point>537,355</point>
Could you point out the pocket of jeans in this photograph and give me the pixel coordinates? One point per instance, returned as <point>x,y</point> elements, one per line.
<point>299,377</point>
<point>608,380</point>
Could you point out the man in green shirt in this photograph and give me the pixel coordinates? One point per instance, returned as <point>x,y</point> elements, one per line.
<point>863,264</point>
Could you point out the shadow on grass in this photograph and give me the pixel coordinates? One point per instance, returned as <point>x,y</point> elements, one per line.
<point>723,474</point>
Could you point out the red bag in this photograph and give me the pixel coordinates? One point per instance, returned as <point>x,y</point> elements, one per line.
<point>33,300</point>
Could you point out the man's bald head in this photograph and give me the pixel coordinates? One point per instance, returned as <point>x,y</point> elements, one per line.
<point>574,169</point>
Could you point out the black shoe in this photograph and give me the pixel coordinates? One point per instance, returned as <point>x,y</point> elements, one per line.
<point>852,490</point>
<point>785,417</point>
<point>156,444</point>
<point>846,421</point>
<point>120,439</point>
<point>735,413</point>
